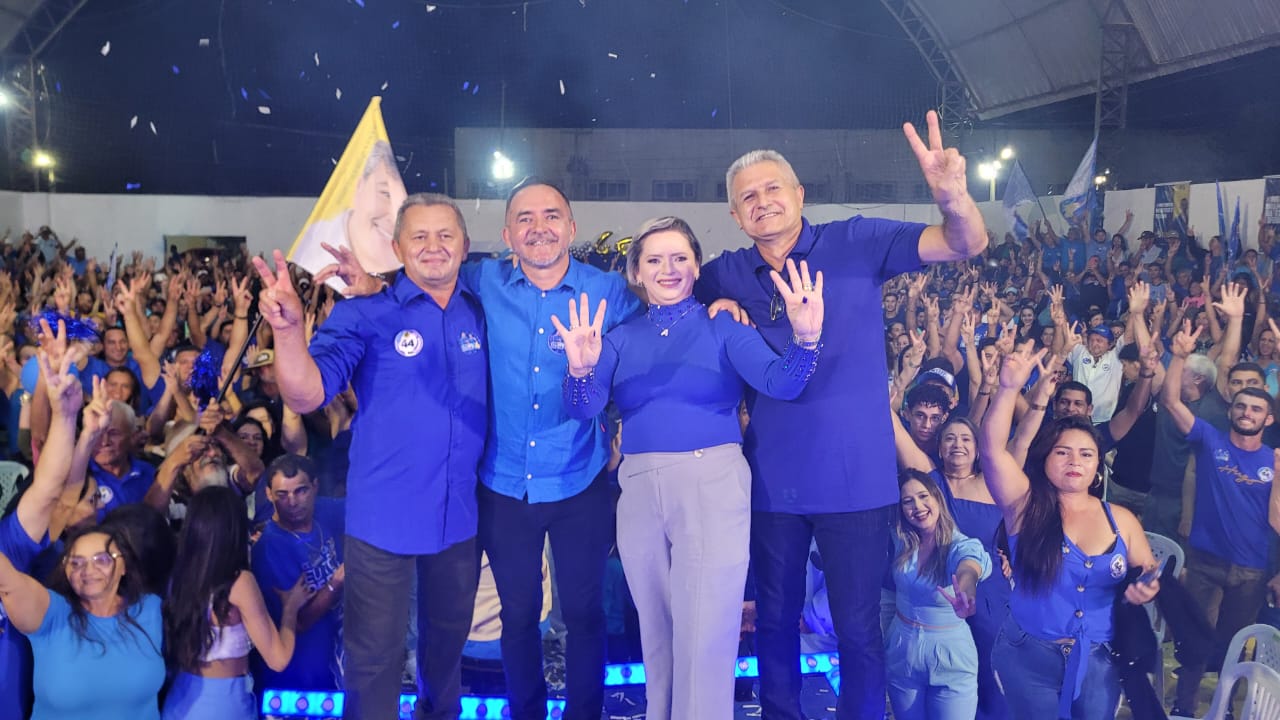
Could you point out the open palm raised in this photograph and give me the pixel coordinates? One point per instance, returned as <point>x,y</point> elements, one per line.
<point>584,337</point>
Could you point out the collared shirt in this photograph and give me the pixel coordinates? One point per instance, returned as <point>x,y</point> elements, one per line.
<point>114,491</point>
<point>1102,375</point>
<point>535,450</point>
<point>831,449</point>
<point>419,371</point>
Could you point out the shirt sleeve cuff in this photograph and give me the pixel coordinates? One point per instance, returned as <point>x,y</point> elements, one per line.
<point>800,362</point>
<point>582,391</point>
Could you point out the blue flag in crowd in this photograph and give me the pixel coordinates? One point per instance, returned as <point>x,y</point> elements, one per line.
<point>1234,250</point>
<point>1016,192</point>
<point>111,269</point>
<point>1078,196</point>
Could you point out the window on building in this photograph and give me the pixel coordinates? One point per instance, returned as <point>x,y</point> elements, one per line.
<point>674,191</point>
<point>608,190</point>
<point>875,192</point>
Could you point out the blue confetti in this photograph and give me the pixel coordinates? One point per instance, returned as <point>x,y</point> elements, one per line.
<point>360,3</point>
<point>434,184</point>
<point>176,71</point>
<point>244,93</point>
<point>475,89</point>
<point>77,328</point>
<point>302,74</point>
<point>264,94</point>
<point>132,186</point>
<point>714,111</point>
<point>395,25</point>
<point>466,84</point>
<point>204,374</point>
<point>57,86</point>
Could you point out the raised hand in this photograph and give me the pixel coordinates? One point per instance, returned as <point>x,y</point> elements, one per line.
<point>349,270</point>
<point>1018,366</point>
<point>1056,295</point>
<point>53,343</point>
<point>584,337</point>
<point>915,288</point>
<point>1139,297</point>
<point>964,604</point>
<point>943,168</point>
<point>968,329</point>
<point>241,295</point>
<point>1232,304</point>
<point>1184,343</point>
<point>803,297</point>
<point>279,302</point>
<point>65,394</point>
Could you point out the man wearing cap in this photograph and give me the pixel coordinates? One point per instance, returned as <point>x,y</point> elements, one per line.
<point>820,473</point>
<point>1148,251</point>
<point>1093,360</point>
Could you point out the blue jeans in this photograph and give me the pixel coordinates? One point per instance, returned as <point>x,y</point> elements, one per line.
<point>1030,671</point>
<point>855,553</point>
<point>193,697</point>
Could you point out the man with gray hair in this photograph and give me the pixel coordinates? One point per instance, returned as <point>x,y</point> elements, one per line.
<point>121,477</point>
<point>416,355</point>
<point>820,472</point>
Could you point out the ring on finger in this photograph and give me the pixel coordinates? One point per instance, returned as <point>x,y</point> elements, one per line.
<point>807,288</point>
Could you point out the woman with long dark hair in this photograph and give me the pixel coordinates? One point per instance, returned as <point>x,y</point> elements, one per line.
<point>1071,558</point>
<point>215,613</point>
<point>930,658</point>
<point>95,632</point>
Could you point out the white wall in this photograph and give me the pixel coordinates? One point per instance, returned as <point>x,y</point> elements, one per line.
<point>140,222</point>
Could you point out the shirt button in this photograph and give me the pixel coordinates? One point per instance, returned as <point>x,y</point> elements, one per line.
<point>528,477</point>
<point>535,406</point>
<point>533,443</point>
<point>544,293</point>
<point>1079,613</point>
<point>537,369</point>
<point>1088,563</point>
<point>541,331</point>
<point>1079,588</point>
<point>697,453</point>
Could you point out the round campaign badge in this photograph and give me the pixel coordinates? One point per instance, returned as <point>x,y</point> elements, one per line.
<point>408,343</point>
<point>1118,566</point>
<point>556,343</point>
<point>104,497</point>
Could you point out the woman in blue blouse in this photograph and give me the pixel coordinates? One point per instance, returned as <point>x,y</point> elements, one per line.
<point>930,657</point>
<point>684,518</point>
<point>1071,558</point>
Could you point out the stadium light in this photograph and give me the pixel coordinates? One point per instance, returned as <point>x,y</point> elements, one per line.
<point>4,99</point>
<point>987,171</point>
<point>1007,153</point>
<point>42,159</point>
<point>1100,180</point>
<point>503,168</point>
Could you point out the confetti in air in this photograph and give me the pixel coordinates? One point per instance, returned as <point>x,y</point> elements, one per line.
<point>384,85</point>
<point>561,87</point>
<point>264,110</point>
<point>153,128</point>
<point>133,123</point>
<point>395,25</point>
<point>317,59</point>
<point>431,8</point>
<point>106,49</point>
<point>613,56</point>
<point>338,93</point>
<point>204,42</point>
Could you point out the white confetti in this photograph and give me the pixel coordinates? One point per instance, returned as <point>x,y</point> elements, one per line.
<point>561,87</point>
<point>384,85</point>
<point>338,93</point>
<point>153,128</point>
<point>613,56</point>
<point>431,8</point>
<point>204,42</point>
<point>106,49</point>
<point>335,162</point>
<point>264,110</point>
<point>317,58</point>
<point>653,75</point>
<point>133,123</point>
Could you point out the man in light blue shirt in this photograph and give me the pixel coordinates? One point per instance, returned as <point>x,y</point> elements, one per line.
<point>541,475</point>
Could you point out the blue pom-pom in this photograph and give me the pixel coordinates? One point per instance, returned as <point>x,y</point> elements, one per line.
<point>204,381</point>
<point>77,328</point>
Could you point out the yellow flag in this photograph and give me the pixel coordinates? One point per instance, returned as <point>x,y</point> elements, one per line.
<point>358,206</point>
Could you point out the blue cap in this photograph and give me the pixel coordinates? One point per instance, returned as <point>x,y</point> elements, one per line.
<point>1104,331</point>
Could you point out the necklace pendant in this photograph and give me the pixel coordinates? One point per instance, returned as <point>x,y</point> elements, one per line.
<point>665,332</point>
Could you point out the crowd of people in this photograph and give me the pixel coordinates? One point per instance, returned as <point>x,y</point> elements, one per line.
<point>420,475</point>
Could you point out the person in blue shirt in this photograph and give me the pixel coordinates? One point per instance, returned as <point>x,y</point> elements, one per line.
<point>817,470</point>
<point>1234,488</point>
<point>303,537</point>
<point>1071,557</point>
<point>930,653</point>
<point>24,533</point>
<point>684,517</point>
<point>415,354</point>
<point>542,475</point>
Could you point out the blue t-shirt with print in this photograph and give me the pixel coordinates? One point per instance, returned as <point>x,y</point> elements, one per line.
<point>1233,488</point>
<point>15,651</point>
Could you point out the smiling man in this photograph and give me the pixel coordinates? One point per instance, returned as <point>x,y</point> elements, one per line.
<point>819,470</point>
<point>415,355</point>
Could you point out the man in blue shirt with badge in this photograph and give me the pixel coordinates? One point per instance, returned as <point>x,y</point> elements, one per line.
<point>1231,532</point>
<point>823,465</point>
<point>415,355</point>
<point>542,474</point>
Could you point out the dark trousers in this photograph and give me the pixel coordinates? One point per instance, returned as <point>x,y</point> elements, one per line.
<point>376,612</point>
<point>855,556</point>
<point>580,528</point>
<point>1231,596</point>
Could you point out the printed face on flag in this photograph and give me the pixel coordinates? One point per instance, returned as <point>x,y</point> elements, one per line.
<point>358,207</point>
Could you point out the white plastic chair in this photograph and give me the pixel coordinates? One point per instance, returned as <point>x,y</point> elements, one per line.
<point>1266,647</point>
<point>1261,693</point>
<point>1162,547</point>
<point>11,473</point>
